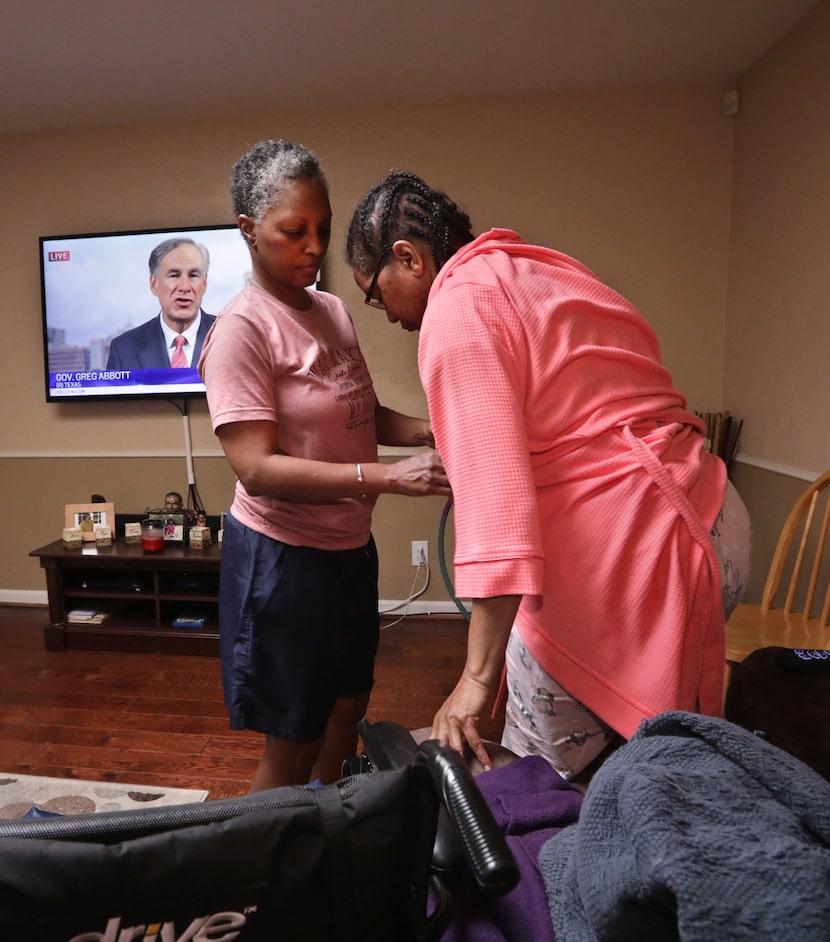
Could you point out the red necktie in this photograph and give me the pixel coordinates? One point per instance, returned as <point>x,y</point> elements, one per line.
<point>179,359</point>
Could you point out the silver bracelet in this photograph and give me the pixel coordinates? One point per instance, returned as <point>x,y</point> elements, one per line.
<point>360,477</point>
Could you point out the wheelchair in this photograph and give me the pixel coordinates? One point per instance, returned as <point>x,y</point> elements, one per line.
<point>365,859</point>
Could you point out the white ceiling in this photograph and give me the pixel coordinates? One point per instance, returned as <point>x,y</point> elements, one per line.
<point>71,63</point>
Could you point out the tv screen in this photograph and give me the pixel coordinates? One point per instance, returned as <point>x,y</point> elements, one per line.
<point>103,311</point>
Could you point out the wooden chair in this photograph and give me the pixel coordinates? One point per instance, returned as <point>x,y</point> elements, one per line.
<point>797,572</point>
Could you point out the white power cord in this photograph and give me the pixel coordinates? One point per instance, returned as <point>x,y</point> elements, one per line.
<point>411,597</point>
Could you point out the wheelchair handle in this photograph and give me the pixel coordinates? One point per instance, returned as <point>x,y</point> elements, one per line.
<point>491,860</point>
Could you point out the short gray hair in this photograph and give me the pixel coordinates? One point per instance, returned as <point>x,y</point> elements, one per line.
<point>164,248</point>
<point>259,175</point>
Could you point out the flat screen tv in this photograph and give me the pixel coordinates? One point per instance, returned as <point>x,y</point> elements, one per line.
<point>97,287</point>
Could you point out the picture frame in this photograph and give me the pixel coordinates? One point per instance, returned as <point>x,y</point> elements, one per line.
<point>86,516</point>
<point>175,525</point>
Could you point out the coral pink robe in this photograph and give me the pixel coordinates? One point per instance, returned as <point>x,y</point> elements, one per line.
<point>579,478</point>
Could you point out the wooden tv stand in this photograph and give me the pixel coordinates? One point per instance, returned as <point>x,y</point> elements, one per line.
<point>145,592</point>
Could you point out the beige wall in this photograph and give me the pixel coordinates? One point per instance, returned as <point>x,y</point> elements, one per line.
<point>635,183</point>
<point>716,227</point>
<point>778,328</point>
<point>777,325</point>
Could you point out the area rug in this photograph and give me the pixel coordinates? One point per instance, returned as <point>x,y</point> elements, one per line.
<point>20,793</point>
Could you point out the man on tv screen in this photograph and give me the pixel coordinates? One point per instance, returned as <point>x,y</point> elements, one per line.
<point>174,337</point>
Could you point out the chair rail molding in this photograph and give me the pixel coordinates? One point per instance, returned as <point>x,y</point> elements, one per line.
<point>787,470</point>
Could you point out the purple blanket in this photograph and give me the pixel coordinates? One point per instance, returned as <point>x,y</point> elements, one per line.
<point>531,803</point>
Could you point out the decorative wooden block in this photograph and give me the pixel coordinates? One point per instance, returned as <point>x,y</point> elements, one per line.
<point>200,536</point>
<point>103,535</point>
<point>132,532</point>
<point>72,537</point>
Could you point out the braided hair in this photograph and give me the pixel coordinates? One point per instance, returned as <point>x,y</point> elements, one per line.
<point>261,174</point>
<point>402,206</point>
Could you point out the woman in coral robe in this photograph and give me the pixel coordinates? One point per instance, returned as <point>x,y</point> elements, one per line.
<point>593,530</point>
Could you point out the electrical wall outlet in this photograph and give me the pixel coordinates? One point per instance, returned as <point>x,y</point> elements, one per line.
<point>420,552</point>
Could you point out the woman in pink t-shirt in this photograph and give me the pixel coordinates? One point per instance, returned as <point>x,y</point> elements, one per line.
<point>292,403</point>
<point>596,536</point>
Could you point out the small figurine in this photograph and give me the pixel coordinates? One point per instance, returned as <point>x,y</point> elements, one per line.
<point>200,533</point>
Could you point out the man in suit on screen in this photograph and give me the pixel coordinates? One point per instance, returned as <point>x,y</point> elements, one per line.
<point>174,337</point>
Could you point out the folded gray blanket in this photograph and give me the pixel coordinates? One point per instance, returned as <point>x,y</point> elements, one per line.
<point>694,830</point>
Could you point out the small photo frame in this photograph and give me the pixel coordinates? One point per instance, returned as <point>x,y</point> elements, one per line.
<point>87,516</point>
<point>174,525</point>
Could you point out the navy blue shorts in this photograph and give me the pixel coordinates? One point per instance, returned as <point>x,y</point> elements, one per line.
<point>298,629</point>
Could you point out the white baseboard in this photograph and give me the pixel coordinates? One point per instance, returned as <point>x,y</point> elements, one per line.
<point>22,597</point>
<point>419,607</point>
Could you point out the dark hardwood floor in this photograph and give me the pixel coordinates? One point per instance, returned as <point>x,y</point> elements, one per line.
<point>156,719</point>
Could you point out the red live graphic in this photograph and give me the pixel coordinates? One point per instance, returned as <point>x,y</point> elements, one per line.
<point>59,256</point>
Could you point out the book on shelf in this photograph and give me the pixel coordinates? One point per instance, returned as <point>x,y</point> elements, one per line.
<point>87,616</point>
<point>723,433</point>
<point>189,621</point>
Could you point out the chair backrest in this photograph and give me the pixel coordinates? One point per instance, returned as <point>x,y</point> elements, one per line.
<point>800,549</point>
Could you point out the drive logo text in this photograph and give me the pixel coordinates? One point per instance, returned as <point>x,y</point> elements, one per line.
<point>221,927</point>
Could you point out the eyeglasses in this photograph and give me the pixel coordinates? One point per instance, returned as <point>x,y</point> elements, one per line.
<point>376,303</point>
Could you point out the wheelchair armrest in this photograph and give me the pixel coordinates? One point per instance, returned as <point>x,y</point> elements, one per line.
<point>467,832</point>
<point>388,745</point>
<point>491,860</point>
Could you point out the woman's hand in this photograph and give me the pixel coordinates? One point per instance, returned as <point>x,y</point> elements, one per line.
<point>457,720</point>
<point>419,475</point>
<point>456,723</point>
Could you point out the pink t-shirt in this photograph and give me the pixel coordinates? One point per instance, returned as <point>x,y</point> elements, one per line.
<point>579,478</point>
<point>304,370</point>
